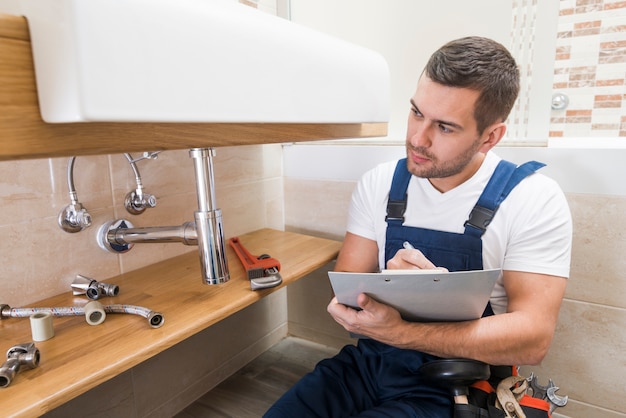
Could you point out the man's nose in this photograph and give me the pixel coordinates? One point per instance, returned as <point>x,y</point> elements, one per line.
<point>418,135</point>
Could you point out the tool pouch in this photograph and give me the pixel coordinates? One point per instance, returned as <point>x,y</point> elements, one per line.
<point>535,408</point>
<point>482,400</point>
<point>482,405</point>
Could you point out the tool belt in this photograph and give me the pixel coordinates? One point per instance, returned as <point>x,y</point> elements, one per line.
<point>508,395</point>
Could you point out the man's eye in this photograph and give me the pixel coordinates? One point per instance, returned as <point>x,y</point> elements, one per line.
<point>445,129</point>
<point>416,112</point>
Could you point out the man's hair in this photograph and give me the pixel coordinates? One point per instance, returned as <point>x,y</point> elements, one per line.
<point>479,64</point>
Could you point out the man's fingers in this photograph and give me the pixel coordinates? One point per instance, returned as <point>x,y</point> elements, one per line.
<point>364,301</point>
<point>418,259</point>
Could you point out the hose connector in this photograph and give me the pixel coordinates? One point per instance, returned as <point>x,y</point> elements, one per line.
<point>18,356</point>
<point>5,311</point>
<point>155,319</point>
<point>93,289</point>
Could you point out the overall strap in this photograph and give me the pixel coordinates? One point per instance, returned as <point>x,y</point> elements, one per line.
<point>504,179</point>
<point>396,204</point>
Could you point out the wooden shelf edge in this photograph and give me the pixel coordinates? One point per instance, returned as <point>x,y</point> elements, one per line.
<point>14,27</point>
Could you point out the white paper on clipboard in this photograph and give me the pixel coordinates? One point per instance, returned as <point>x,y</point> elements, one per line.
<point>425,296</point>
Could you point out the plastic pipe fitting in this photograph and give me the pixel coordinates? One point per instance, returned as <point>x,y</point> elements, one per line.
<point>94,313</point>
<point>41,326</point>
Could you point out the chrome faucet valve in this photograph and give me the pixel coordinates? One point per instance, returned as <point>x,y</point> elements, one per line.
<point>93,289</point>
<point>136,202</point>
<point>18,356</point>
<point>74,218</point>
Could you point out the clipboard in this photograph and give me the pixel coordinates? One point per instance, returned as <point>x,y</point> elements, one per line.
<point>421,295</point>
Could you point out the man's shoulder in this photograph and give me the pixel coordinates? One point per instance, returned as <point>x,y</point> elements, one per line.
<point>534,181</point>
<point>538,194</point>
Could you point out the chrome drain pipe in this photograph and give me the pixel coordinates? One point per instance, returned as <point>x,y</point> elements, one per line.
<point>120,235</point>
<point>211,248</point>
<point>206,232</point>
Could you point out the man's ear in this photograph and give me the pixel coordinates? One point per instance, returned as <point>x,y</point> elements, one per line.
<point>492,135</point>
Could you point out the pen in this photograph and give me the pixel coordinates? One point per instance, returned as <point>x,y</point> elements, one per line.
<point>407,245</point>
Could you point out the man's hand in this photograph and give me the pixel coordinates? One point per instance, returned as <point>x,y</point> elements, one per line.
<point>375,320</point>
<point>408,259</point>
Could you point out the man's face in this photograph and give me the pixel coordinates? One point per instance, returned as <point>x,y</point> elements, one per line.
<point>442,141</point>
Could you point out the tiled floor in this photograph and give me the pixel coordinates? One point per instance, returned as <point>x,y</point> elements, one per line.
<point>254,388</point>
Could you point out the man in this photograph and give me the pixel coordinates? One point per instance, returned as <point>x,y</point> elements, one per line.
<point>522,226</point>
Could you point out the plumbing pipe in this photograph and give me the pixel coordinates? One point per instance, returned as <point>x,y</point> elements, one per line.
<point>121,233</point>
<point>155,319</point>
<point>210,233</point>
<point>20,355</point>
<point>206,232</point>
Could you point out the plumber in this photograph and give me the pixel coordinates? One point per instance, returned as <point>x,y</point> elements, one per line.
<point>462,208</point>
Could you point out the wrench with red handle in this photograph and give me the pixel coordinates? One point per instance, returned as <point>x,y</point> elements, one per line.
<point>262,271</point>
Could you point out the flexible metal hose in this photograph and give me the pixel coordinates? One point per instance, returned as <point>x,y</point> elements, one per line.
<point>70,180</point>
<point>155,319</point>
<point>27,312</point>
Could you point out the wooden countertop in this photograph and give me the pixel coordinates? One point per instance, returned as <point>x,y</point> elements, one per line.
<point>81,356</point>
<point>23,134</point>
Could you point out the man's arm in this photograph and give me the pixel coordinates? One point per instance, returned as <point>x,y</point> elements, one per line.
<point>357,254</point>
<point>520,336</point>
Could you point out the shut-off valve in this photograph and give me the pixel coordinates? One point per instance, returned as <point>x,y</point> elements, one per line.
<point>74,217</point>
<point>18,356</point>
<point>93,289</point>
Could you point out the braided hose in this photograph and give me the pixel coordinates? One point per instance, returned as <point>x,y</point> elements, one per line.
<point>93,311</point>
<point>27,312</point>
<point>155,319</point>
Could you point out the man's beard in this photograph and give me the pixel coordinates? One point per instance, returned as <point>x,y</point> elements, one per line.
<point>438,169</point>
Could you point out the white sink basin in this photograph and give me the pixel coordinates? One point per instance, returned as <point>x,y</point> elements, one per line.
<point>195,61</point>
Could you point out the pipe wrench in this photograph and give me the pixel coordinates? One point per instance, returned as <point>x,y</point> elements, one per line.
<point>508,396</point>
<point>262,270</point>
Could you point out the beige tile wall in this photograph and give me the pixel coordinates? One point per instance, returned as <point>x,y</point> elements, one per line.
<point>588,355</point>
<point>587,359</point>
<point>41,260</point>
<point>38,259</point>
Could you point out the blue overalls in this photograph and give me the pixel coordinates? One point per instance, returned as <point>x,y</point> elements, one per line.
<point>373,379</point>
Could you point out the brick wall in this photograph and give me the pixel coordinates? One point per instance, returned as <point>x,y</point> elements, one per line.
<point>590,69</point>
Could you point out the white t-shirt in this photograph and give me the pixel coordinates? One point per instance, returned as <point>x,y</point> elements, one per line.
<point>530,232</point>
